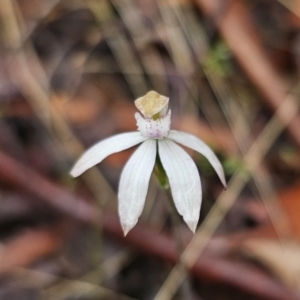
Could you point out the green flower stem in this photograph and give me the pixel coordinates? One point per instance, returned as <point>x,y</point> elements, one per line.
<point>175,222</point>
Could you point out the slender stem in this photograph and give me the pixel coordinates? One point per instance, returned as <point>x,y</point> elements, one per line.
<point>175,222</point>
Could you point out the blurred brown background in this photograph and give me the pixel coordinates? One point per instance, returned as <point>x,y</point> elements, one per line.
<point>69,73</point>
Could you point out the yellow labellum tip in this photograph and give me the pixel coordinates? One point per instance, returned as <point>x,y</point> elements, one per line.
<point>151,104</point>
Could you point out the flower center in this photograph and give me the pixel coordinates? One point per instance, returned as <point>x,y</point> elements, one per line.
<point>152,105</point>
<point>155,129</point>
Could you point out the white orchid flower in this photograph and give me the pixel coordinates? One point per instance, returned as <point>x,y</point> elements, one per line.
<point>157,139</point>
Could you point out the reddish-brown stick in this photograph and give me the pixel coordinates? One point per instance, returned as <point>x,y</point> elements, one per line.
<point>208,267</point>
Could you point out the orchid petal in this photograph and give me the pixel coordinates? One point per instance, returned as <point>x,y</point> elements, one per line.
<point>184,181</point>
<point>106,147</point>
<point>134,184</point>
<point>196,144</point>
